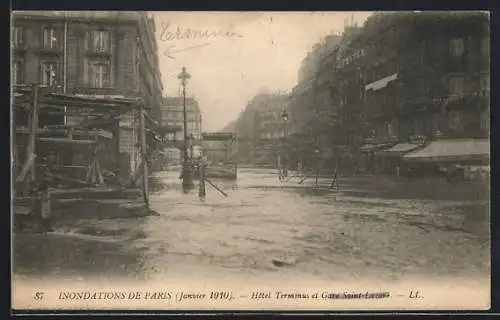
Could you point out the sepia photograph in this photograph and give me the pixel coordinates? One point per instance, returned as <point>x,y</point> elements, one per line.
<point>293,161</point>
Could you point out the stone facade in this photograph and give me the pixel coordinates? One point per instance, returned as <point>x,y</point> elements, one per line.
<point>260,129</point>
<point>172,114</point>
<point>90,52</point>
<point>398,76</point>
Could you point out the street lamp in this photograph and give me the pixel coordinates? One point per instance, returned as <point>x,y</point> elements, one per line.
<point>285,134</point>
<point>187,180</point>
<point>191,145</point>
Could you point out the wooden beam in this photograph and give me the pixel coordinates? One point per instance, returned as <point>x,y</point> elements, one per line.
<point>117,145</point>
<point>61,177</point>
<point>33,128</point>
<point>67,141</point>
<point>90,169</point>
<point>100,179</point>
<point>74,167</point>
<point>136,175</point>
<point>76,132</point>
<point>142,128</point>
<point>84,104</point>
<point>26,168</point>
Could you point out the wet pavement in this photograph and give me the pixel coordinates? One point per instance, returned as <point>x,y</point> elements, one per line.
<point>268,228</point>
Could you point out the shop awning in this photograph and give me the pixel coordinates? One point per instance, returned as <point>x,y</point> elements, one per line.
<point>399,149</point>
<point>381,83</point>
<point>375,147</point>
<point>451,150</point>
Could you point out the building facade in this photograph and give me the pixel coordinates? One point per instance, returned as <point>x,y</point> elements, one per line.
<point>260,129</point>
<point>426,77</point>
<point>90,52</point>
<point>172,114</point>
<point>401,78</point>
<point>311,110</point>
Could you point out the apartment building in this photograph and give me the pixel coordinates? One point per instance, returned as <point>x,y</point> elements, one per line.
<point>108,53</point>
<point>261,127</point>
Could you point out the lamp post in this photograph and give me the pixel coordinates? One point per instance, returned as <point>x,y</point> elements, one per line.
<point>285,134</point>
<point>187,180</point>
<point>191,146</point>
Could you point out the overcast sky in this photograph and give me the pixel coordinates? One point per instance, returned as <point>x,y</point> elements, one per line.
<point>264,51</point>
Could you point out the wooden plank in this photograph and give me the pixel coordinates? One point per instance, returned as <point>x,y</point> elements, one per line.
<point>100,179</point>
<point>117,135</point>
<point>62,166</point>
<point>142,128</point>
<point>89,172</point>
<point>93,176</point>
<point>136,174</point>
<point>67,141</point>
<point>90,133</point>
<point>82,104</point>
<point>33,129</point>
<point>215,187</point>
<point>26,168</point>
<point>217,136</point>
<point>64,178</point>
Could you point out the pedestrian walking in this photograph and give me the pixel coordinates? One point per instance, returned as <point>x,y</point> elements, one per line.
<point>202,174</point>
<point>278,165</point>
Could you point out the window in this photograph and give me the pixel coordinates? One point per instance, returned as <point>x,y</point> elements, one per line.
<point>455,120</point>
<point>485,46</point>
<point>98,75</point>
<point>100,40</point>
<point>17,37</point>
<point>50,74</point>
<point>50,38</point>
<point>457,47</point>
<point>456,87</point>
<point>484,84</point>
<point>390,129</point>
<point>16,72</point>
<point>485,120</point>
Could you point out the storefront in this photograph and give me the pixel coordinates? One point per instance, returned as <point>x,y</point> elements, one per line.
<point>392,157</point>
<point>370,162</point>
<point>443,155</point>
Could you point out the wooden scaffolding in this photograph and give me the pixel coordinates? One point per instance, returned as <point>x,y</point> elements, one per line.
<point>96,119</point>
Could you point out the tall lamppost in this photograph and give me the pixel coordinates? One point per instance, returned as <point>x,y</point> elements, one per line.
<point>285,135</point>
<point>187,180</point>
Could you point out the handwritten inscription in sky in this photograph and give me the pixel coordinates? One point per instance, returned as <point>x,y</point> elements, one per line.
<point>171,34</point>
<point>232,55</point>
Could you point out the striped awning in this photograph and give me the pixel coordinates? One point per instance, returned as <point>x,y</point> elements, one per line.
<point>374,147</point>
<point>451,150</point>
<point>399,149</point>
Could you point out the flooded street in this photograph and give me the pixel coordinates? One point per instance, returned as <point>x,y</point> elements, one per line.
<point>267,228</point>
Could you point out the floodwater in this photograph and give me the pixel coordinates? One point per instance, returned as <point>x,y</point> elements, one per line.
<point>268,228</point>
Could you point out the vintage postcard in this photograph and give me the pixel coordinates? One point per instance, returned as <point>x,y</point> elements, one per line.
<point>250,160</point>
